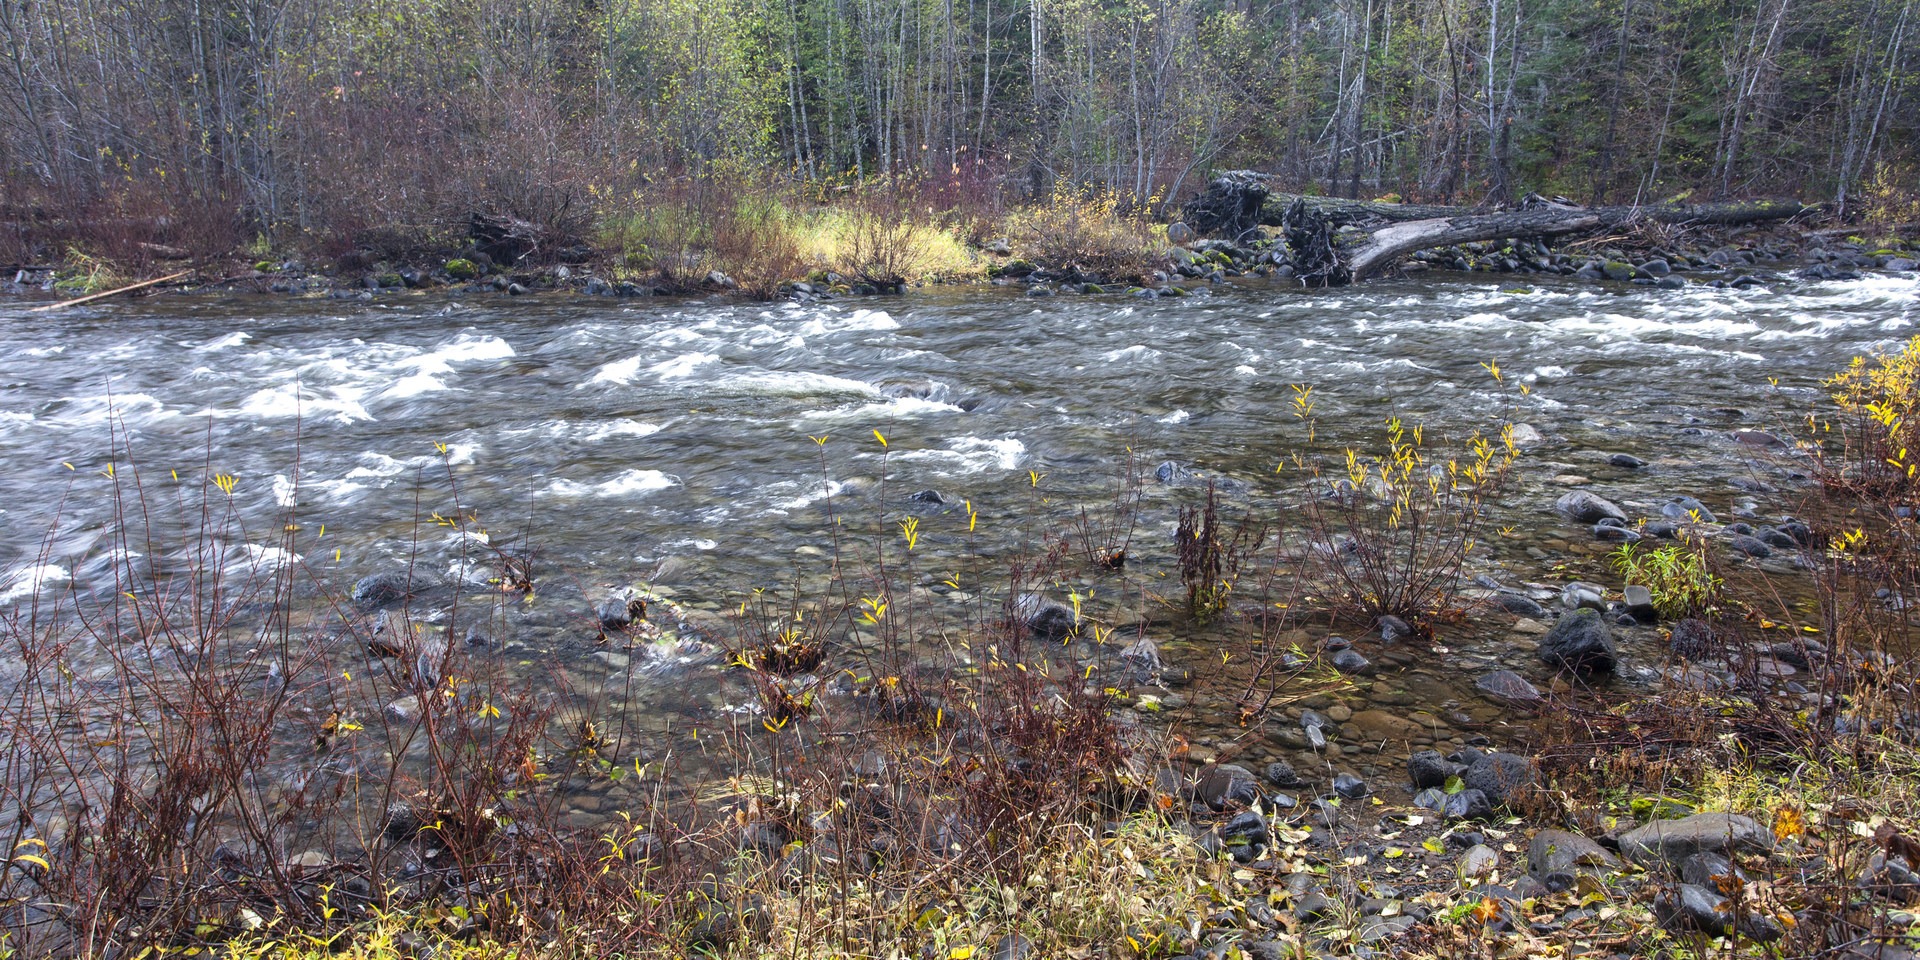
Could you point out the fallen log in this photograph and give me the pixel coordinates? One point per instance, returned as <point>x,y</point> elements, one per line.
<point>129,288</point>
<point>1236,202</point>
<point>1387,244</point>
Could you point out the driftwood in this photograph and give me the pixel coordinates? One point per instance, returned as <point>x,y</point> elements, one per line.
<point>1320,257</point>
<point>129,288</point>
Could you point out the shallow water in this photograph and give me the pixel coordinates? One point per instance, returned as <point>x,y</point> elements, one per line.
<point>612,436</point>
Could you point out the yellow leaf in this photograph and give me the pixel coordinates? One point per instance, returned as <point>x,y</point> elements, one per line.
<point>960,953</point>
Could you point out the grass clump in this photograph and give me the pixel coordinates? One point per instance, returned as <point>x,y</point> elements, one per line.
<point>1091,233</point>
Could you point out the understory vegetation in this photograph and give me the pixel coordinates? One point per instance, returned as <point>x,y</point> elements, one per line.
<point>249,132</point>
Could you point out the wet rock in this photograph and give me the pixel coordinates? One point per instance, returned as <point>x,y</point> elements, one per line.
<point>1750,546</point>
<point>1519,603</point>
<point>620,611</point>
<point>1676,840</point>
<point>1776,538</point>
<point>1349,661</point>
<point>1612,533</point>
<point>1393,629</point>
<point>927,496</point>
<point>1579,642</point>
<point>1434,798</point>
<point>1558,858</point>
<point>1047,619</point>
<point>1639,603</point>
<point>1351,787</point>
<point>1626,461</point>
<point>1509,686</point>
<point>1687,510</point>
<point>1759,439</point>
<point>1655,268</point>
<point>1143,657</point>
<point>1501,776</point>
<point>1580,594</point>
<point>1582,506</point>
<point>1693,639</point>
<point>382,589</point>
<point>1172,472</point>
<point>1228,785</point>
<point>1429,769</point>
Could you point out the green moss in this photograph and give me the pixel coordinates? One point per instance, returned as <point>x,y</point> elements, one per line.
<point>462,269</point>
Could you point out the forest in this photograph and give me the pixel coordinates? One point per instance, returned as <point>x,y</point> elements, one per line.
<point>212,125</point>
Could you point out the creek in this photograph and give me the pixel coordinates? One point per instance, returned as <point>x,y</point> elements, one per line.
<point>674,443</point>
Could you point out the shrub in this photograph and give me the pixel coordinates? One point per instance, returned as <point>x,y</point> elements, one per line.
<point>1676,575</point>
<point>1879,437</point>
<point>1090,233</point>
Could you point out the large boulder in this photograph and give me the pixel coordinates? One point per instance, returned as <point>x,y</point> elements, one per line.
<point>1579,642</point>
<point>1675,840</point>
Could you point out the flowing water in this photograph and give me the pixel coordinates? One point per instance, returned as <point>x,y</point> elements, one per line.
<point>681,441</point>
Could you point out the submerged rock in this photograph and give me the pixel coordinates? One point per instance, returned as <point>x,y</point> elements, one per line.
<point>382,589</point>
<point>1509,686</point>
<point>1048,619</point>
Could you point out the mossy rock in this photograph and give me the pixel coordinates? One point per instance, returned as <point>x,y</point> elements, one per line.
<point>1617,270</point>
<point>1017,268</point>
<point>266,266</point>
<point>462,269</point>
<point>390,280</point>
<point>1093,288</point>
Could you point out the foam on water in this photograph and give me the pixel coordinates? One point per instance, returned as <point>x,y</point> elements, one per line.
<point>230,340</point>
<point>22,583</point>
<point>1135,352</point>
<point>623,427</point>
<point>893,409</point>
<point>791,383</point>
<point>337,404</point>
<point>972,454</point>
<point>683,366</point>
<point>627,484</point>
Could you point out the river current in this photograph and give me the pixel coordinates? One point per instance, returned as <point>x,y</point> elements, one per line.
<point>710,445</point>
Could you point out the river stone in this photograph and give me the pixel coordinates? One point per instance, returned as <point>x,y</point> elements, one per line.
<point>1526,435</point>
<point>1047,619</point>
<point>1509,686</point>
<point>1179,232</point>
<point>1639,601</point>
<point>1579,642</point>
<point>1750,546</point>
<point>1228,785</point>
<point>1429,769</point>
<point>1583,506</point>
<point>1626,461</point>
<point>619,611</point>
<point>1350,661</point>
<point>1617,270</point>
<point>381,589</point>
<point>1579,594</point>
<point>1676,840</point>
<point>1143,655</point>
<point>1655,268</point>
<point>1519,603</point>
<point>1351,787</point>
<point>1687,510</point>
<point>1558,858</point>
<point>1501,776</point>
